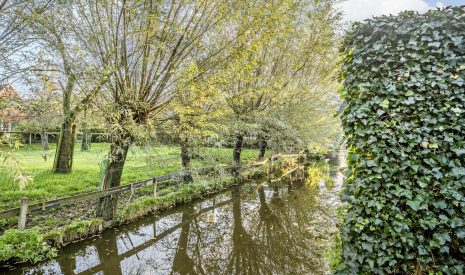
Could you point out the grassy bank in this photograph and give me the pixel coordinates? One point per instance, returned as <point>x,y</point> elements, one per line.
<point>40,243</point>
<point>142,163</point>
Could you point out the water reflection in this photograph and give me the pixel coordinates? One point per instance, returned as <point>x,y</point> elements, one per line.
<point>275,228</point>
<point>182,263</point>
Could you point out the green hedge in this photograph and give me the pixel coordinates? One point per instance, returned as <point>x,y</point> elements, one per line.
<point>404,120</point>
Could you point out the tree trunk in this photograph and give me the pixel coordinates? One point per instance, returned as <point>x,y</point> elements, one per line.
<point>261,149</point>
<point>186,160</point>
<point>106,206</point>
<point>85,146</point>
<point>185,152</point>
<point>238,149</point>
<point>65,148</point>
<point>44,140</point>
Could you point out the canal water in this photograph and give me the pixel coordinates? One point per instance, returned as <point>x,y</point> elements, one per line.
<point>278,227</point>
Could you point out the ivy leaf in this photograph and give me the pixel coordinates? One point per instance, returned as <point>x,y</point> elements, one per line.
<point>461,233</point>
<point>444,249</point>
<point>459,82</point>
<point>384,104</point>
<point>459,152</point>
<point>409,101</point>
<point>441,237</point>
<point>414,204</point>
<point>458,171</point>
<point>456,222</point>
<point>441,204</point>
<point>371,163</point>
<point>456,110</point>
<point>422,250</point>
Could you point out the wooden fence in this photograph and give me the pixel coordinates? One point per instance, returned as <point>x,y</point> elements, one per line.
<point>30,134</point>
<point>159,183</point>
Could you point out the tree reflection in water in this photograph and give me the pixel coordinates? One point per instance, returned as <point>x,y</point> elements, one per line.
<point>244,257</point>
<point>107,250</point>
<point>182,263</point>
<point>277,228</point>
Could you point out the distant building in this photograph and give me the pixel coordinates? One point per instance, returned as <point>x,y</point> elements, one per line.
<point>11,105</point>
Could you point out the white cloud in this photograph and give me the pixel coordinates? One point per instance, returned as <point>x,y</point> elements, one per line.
<point>356,10</point>
<point>440,4</point>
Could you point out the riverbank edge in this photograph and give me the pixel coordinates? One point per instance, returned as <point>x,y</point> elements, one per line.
<point>32,245</point>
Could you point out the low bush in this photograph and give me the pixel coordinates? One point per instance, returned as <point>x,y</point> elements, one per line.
<point>24,245</point>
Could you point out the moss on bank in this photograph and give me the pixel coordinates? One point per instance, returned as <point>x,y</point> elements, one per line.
<point>35,245</point>
<point>24,245</point>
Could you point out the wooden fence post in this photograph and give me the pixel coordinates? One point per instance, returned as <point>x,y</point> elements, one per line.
<point>155,187</point>
<point>30,139</point>
<point>23,213</point>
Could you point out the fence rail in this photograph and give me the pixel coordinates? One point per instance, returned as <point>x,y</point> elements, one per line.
<point>85,196</point>
<point>165,181</point>
<point>40,206</point>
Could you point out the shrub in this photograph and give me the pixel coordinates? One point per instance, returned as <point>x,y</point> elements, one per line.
<point>404,121</point>
<point>24,245</point>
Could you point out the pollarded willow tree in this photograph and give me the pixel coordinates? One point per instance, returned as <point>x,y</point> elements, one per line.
<point>303,116</point>
<point>149,44</point>
<point>254,78</point>
<point>194,111</point>
<point>62,39</point>
<point>198,104</point>
<point>269,69</point>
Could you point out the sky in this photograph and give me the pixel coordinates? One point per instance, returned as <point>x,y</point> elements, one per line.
<point>355,10</point>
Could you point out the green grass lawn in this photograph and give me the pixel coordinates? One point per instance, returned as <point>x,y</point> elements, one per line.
<point>142,163</point>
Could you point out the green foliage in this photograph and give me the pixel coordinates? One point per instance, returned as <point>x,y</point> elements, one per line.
<point>254,173</point>
<point>333,253</point>
<point>24,245</point>
<point>74,230</point>
<point>405,128</point>
<point>9,160</point>
<point>79,227</point>
<point>319,172</point>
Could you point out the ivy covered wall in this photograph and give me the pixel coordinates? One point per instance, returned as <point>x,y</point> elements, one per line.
<point>404,121</point>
